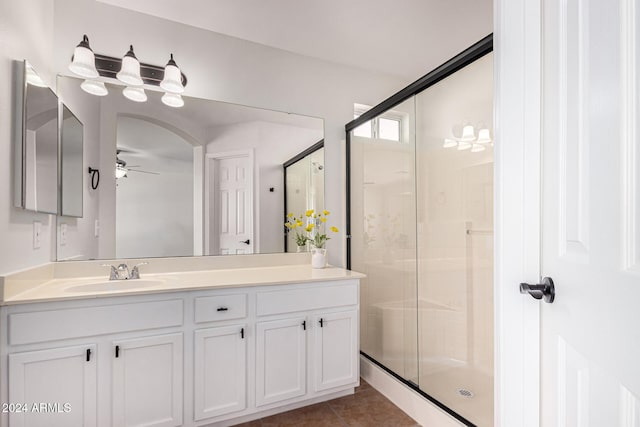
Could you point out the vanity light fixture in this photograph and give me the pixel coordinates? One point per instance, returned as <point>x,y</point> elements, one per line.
<point>129,71</point>
<point>477,148</point>
<point>83,60</point>
<point>135,94</point>
<point>94,87</point>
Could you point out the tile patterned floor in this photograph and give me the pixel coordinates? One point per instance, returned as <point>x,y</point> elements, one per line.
<point>365,408</point>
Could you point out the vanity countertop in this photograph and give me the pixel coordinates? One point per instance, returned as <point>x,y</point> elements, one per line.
<point>61,289</point>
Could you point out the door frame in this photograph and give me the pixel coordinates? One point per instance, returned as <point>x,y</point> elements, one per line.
<point>517,209</point>
<point>210,170</point>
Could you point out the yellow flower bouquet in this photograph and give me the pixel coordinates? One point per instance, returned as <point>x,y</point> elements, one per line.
<point>318,238</point>
<point>295,223</point>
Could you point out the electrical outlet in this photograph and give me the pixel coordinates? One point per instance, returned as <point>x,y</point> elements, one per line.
<point>37,234</point>
<point>63,234</point>
<point>96,228</point>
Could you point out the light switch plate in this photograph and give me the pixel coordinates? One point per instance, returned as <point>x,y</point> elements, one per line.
<point>37,234</point>
<point>63,234</point>
<point>96,228</point>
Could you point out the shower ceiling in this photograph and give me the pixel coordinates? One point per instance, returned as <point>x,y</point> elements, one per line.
<point>405,39</point>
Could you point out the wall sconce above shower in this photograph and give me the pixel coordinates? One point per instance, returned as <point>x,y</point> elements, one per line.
<point>469,140</point>
<point>128,70</point>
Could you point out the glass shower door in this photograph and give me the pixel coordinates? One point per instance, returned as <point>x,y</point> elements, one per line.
<point>454,187</point>
<point>383,210</point>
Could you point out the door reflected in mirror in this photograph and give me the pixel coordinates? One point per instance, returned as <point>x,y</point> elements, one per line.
<point>204,179</point>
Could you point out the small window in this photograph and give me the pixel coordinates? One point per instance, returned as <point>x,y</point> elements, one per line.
<point>389,129</point>
<point>364,130</point>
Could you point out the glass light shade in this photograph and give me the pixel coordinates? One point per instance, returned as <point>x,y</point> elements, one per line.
<point>33,78</point>
<point>130,71</point>
<point>83,62</point>
<point>172,81</point>
<point>483,136</point>
<point>477,148</point>
<point>121,171</point>
<point>94,87</point>
<point>468,134</point>
<point>463,145</point>
<point>172,100</point>
<point>449,143</point>
<point>135,94</point>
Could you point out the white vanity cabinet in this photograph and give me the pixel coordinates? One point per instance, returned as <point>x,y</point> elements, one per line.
<point>335,345</point>
<point>195,358</point>
<point>220,371</point>
<point>281,360</point>
<point>63,377</point>
<point>147,381</point>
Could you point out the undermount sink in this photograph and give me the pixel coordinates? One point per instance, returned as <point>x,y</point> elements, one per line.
<point>115,285</point>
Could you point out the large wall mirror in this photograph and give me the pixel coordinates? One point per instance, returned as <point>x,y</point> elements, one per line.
<point>203,179</point>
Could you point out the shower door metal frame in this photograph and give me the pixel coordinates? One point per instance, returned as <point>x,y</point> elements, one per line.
<point>464,58</point>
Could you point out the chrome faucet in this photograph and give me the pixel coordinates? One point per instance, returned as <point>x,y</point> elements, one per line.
<point>121,272</point>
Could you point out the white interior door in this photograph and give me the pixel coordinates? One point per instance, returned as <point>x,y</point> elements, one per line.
<point>231,226</point>
<point>590,356</point>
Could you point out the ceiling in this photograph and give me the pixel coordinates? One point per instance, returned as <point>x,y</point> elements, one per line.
<point>405,38</point>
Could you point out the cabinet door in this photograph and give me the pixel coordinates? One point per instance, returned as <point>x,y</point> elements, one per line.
<point>335,349</point>
<point>58,387</point>
<point>220,371</point>
<point>147,381</point>
<point>280,360</point>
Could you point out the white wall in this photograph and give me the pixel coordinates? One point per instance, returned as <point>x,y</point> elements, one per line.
<point>232,70</point>
<point>26,32</point>
<point>273,144</point>
<point>81,242</point>
<point>154,213</point>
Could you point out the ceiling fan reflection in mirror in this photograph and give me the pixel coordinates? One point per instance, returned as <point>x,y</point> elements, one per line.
<point>122,169</point>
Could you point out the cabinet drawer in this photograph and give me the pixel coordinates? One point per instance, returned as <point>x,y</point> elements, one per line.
<point>220,307</point>
<point>40,326</point>
<point>307,298</point>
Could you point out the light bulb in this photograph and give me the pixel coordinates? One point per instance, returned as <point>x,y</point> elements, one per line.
<point>463,145</point>
<point>468,134</point>
<point>477,148</point>
<point>130,70</point>
<point>449,143</point>
<point>94,87</point>
<point>172,81</point>
<point>135,94</point>
<point>172,100</point>
<point>83,62</point>
<point>121,171</point>
<point>33,78</point>
<point>483,136</point>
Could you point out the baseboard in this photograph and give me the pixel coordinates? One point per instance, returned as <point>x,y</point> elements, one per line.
<point>417,407</point>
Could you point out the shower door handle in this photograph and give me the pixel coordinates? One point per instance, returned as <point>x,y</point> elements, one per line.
<point>545,290</point>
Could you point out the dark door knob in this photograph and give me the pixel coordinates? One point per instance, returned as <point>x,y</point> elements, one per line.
<point>545,290</point>
<point>246,242</point>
